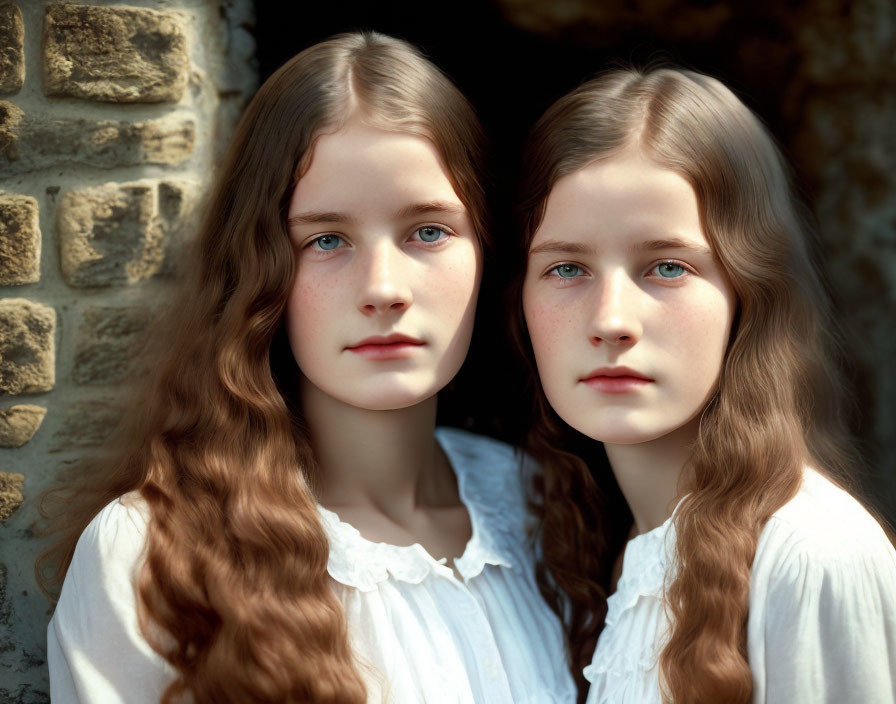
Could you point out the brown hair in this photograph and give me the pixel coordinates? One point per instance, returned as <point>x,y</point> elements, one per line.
<point>234,592</point>
<point>781,402</point>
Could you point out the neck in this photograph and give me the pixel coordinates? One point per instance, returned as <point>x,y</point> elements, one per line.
<point>386,459</point>
<point>649,474</point>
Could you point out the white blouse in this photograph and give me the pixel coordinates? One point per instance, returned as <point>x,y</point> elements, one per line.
<point>822,613</point>
<point>421,634</point>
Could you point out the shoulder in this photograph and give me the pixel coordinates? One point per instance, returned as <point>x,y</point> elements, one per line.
<point>481,459</point>
<point>474,447</point>
<point>114,539</point>
<point>489,472</point>
<point>822,583</point>
<point>823,536</point>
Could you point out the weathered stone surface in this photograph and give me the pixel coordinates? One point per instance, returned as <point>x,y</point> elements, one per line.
<point>108,340</point>
<point>19,240</point>
<point>12,48</point>
<point>10,124</point>
<point>27,346</point>
<point>599,23</point>
<point>109,234</point>
<point>6,644</point>
<point>42,142</point>
<point>11,498</point>
<point>86,424</point>
<point>18,424</point>
<point>25,694</point>
<point>124,233</point>
<point>848,41</point>
<point>116,54</point>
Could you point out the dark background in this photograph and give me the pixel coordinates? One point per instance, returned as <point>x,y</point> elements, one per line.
<point>513,58</point>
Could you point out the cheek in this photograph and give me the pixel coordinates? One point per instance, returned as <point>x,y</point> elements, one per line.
<point>551,327</point>
<point>454,286</point>
<point>307,313</point>
<point>699,332</point>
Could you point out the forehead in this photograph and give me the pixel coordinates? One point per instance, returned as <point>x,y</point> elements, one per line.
<point>360,164</point>
<point>623,197</point>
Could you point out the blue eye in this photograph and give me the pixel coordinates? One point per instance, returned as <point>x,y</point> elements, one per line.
<point>568,271</point>
<point>669,270</point>
<point>430,233</point>
<point>327,242</point>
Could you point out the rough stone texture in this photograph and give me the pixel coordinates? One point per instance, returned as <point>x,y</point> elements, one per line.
<point>27,346</point>
<point>602,22</point>
<point>6,643</point>
<point>11,497</point>
<point>109,235</point>
<point>18,424</point>
<point>19,240</point>
<point>10,124</point>
<point>236,74</point>
<point>108,340</point>
<point>116,54</point>
<point>86,424</point>
<point>848,41</point>
<point>40,142</point>
<point>12,48</point>
<point>119,233</point>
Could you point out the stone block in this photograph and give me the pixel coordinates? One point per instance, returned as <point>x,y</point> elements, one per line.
<point>18,424</point>
<point>115,54</point>
<point>38,142</point>
<point>12,48</point>
<point>602,23</point>
<point>86,424</point>
<point>11,485</point>
<point>10,125</point>
<point>19,240</point>
<point>109,234</point>
<point>848,43</point>
<point>121,233</point>
<point>27,346</point>
<point>108,341</point>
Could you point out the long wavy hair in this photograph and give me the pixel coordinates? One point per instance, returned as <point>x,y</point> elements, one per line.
<point>234,592</point>
<point>781,402</point>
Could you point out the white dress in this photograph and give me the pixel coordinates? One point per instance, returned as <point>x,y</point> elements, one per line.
<point>822,615</point>
<point>423,634</point>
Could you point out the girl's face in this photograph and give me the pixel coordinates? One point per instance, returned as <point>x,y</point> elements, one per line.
<point>381,310</point>
<point>628,310</point>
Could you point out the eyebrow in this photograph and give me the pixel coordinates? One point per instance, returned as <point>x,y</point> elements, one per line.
<point>314,218</point>
<point>562,247</point>
<point>673,243</point>
<point>432,206</point>
<point>425,208</point>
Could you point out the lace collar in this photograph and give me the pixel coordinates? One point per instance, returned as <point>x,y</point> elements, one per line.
<point>494,511</point>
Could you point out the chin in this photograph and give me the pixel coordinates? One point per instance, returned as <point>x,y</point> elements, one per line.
<point>390,399</point>
<point>617,433</point>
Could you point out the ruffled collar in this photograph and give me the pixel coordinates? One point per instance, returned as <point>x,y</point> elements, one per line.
<point>647,564</point>
<point>360,563</point>
<point>644,568</point>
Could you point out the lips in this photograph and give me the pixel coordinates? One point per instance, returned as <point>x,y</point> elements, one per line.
<point>395,346</point>
<point>616,380</point>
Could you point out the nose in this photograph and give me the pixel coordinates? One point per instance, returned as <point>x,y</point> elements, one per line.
<point>385,284</point>
<point>615,320</point>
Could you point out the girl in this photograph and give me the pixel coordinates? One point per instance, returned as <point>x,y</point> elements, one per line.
<point>675,316</point>
<point>284,523</point>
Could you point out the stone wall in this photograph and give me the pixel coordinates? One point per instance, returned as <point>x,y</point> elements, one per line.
<point>112,117</point>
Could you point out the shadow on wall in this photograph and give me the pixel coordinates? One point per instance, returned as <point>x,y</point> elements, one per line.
<point>821,73</point>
